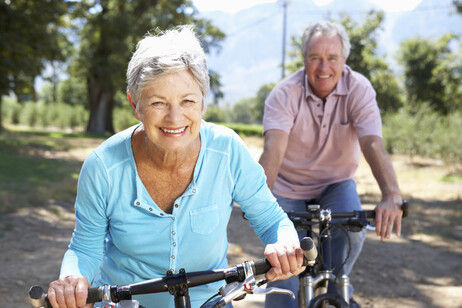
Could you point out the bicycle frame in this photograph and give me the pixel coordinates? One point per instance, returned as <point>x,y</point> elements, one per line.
<point>313,278</point>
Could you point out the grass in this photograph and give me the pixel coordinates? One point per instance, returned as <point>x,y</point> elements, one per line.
<point>30,175</point>
<point>452,178</point>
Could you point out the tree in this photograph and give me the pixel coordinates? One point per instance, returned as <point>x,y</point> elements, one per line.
<point>216,114</point>
<point>215,87</point>
<point>458,5</point>
<point>259,102</point>
<point>72,91</point>
<point>108,37</point>
<point>31,37</point>
<point>363,58</point>
<point>432,73</point>
<point>242,111</point>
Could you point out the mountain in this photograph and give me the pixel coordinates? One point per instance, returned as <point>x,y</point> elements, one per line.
<point>251,54</point>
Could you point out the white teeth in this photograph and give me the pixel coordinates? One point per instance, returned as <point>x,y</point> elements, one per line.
<point>176,131</point>
<point>323,76</point>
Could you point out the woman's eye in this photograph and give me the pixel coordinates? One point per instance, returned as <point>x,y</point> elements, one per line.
<point>157,104</point>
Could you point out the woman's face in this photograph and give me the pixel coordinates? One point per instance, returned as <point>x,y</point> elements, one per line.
<point>171,111</point>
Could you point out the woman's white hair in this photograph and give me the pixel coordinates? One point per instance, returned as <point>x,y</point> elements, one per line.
<point>326,29</point>
<point>170,51</point>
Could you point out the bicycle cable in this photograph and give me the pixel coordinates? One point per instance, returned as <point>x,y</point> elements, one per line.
<point>210,299</point>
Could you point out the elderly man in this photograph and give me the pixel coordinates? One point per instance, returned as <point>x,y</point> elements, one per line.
<point>315,124</point>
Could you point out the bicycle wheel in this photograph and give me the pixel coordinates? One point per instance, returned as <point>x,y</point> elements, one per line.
<point>328,301</point>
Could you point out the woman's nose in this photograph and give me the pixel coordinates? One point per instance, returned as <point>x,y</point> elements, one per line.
<point>174,112</point>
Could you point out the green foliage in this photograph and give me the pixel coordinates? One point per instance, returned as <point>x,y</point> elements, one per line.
<point>259,104</point>
<point>31,36</point>
<point>363,40</point>
<point>245,130</point>
<point>41,114</point>
<point>216,115</point>
<point>73,91</point>
<point>432,73</point>
<point>424,133</point>
<point>294,55</point>
<point>215,87</point>
<point>242,111</point>
<point>124,118</point>
<point>458,5</point>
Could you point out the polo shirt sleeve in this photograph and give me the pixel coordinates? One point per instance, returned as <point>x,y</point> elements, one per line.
<point>250,191</point>
<point>364,110</point>
<point>86,247</point>
<point>281,108</point>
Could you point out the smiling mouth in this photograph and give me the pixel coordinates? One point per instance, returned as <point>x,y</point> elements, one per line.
<point>323,76</point>
<point>173,131</point>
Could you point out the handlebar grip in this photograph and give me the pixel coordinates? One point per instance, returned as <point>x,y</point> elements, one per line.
<point>369,213</point>
<point>405,208</point>
<point>261,266</point>
<point>95,294</point>
<point>39,298</point>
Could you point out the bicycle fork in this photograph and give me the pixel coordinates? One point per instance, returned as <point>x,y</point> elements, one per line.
<point>308,285</point>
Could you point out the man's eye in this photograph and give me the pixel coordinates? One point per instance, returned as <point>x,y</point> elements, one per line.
<point>187,101</point>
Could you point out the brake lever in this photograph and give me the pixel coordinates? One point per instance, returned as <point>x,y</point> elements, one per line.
<point>236,289</point>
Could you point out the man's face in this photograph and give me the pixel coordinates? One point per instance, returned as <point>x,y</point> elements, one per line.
<point>324,64</point>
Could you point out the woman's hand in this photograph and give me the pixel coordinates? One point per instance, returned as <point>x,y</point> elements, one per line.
<point>69,292</point>
<point>286,259</point>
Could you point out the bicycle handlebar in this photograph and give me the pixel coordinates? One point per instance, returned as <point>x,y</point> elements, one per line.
<point>368,214</point>
<point>237,273</point>
<point>95,294</point>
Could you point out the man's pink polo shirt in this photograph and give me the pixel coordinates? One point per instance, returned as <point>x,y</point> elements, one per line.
<point>323,138</point>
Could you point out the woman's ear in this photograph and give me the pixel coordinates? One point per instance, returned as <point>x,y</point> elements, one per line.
<point>135,110</point>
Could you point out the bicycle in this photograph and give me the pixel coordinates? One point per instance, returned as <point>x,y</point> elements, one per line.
<point>314,290</point>
<point>240,281</point>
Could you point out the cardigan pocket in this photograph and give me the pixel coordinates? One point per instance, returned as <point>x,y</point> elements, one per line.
<point>204,220</point>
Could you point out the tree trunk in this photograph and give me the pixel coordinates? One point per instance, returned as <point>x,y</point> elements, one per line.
<point>101,107</point>
<point>1,125</point>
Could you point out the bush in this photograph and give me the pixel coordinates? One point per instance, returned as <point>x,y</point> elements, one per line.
<point>10,110</point>
<point>216,114</point>
<point>245,130</point>
<point>123,118</point>
<point>424,133</point>
<point>44,114</point>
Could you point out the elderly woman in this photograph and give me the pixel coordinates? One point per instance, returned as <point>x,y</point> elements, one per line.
<point>158,196</point>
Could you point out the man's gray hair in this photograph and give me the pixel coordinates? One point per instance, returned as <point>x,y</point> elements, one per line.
<point>170,51</point>
<point>326,29</point>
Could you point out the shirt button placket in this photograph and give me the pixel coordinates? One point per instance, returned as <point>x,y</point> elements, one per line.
<point>173,245</point>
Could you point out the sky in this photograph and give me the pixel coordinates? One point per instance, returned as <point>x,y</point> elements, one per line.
<point>233,6</point>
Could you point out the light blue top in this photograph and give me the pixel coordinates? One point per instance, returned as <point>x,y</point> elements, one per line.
<point>122,237</point>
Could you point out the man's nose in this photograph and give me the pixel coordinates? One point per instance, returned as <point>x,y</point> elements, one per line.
<point>322,64</point>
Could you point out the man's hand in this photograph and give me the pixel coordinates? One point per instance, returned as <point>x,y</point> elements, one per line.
<point>387,214</point>
<point>286,259</point>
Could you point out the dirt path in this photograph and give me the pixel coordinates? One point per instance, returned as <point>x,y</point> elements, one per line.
<point>423,268</point>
